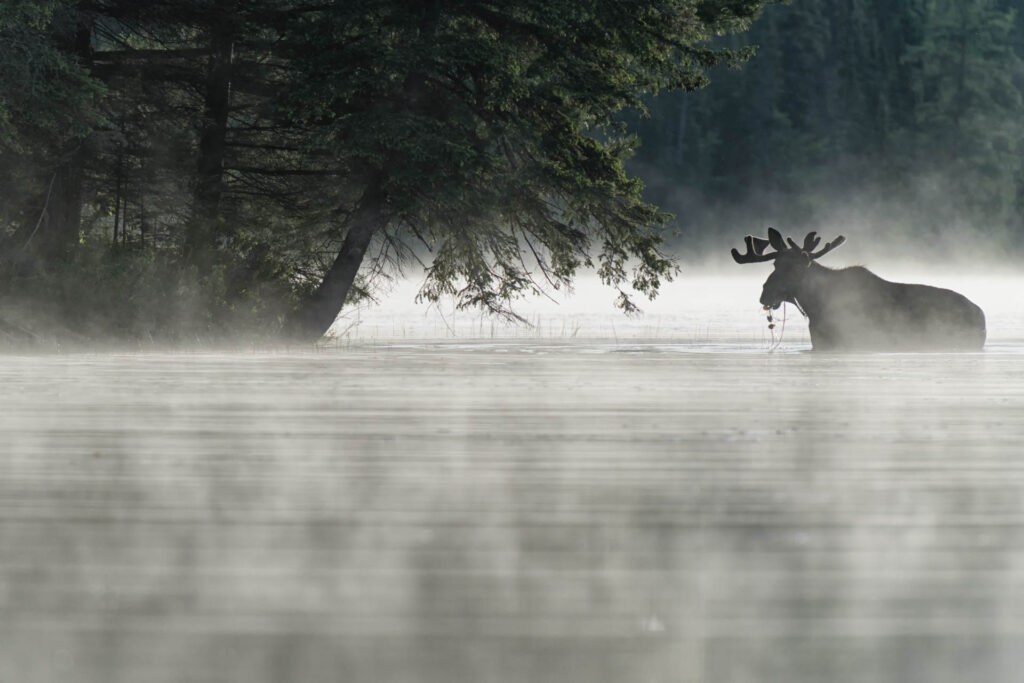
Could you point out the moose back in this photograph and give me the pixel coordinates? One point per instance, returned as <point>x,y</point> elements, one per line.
<point>852,309</point>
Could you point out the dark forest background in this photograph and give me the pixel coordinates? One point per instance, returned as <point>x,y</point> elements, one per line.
<point>182,169</point>
<point>897,120</point>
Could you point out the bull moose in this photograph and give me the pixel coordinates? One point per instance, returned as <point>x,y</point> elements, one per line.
<point>852,309</point>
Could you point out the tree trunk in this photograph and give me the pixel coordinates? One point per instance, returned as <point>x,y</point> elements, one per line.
<point>320,311</point>
<point>61,219</point>
<point>117,197</point>
<point>65,212</point>
<point>213,138</point>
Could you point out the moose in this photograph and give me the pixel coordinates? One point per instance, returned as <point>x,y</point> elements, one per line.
<point>852,309</point>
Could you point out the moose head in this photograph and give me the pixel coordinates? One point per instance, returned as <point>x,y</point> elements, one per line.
<point>792,263</point>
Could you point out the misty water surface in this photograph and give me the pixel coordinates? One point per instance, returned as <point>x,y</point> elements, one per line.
<point>546,508</point>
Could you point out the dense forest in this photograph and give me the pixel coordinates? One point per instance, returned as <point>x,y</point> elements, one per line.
<point>183,169</point>
<point>882,118</point>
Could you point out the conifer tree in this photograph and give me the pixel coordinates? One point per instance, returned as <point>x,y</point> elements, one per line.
<point>483,131</point>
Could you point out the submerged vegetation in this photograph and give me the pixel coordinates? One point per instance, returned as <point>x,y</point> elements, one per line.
<point>183,169</point>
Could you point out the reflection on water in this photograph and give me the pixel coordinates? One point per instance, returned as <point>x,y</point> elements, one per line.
<point>512,512</point>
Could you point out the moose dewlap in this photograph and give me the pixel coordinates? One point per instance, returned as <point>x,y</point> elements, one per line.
<point>852,309</point>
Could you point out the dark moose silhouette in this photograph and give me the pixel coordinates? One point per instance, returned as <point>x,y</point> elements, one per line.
<point>852,309</point>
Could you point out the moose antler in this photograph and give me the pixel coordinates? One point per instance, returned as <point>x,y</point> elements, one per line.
<point>810,242</point>
<point>829,246</point>
<point>756,246</point>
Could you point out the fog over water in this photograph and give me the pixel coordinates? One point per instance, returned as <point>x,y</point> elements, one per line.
<point>698,307</point>
<point>595,498</point>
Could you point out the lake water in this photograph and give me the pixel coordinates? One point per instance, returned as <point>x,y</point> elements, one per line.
<point>662,501</point>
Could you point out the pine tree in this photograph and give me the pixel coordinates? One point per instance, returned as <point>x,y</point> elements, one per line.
<point>485,133</point>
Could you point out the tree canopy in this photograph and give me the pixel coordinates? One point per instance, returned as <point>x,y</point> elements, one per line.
<point>254,159</point>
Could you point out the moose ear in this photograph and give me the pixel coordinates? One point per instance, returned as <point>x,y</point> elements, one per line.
<point>807,257</point>
<point>775,239</point>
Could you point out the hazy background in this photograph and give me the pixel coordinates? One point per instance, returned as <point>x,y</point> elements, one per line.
<point>898,123</point>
